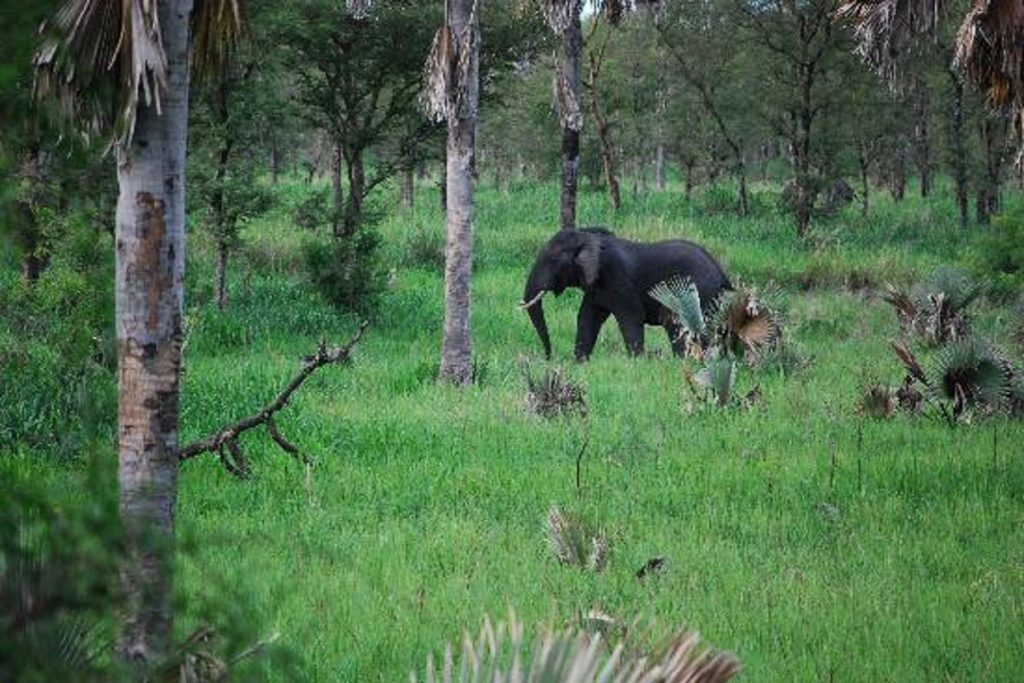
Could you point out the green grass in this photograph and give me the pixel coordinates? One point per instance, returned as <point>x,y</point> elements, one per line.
<point>814,543</point>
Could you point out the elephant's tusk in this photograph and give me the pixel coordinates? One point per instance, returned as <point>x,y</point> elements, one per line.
<point>529,304</point>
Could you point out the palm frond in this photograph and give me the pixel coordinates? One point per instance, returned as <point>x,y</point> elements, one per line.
<point>883,28</point>
<point>719,377</point>
<point>574,543</point>
<point>217,26</point>
<point>571,656</point>
<point>748,321</point>
<point>969,374</point>
<point>990,49</point>
<point>97,57</point>
<point>679,295</point>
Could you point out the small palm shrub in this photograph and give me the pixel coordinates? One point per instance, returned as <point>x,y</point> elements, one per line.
<point>571,656</point>
<point>553,394</point>
<point>937,312</point>
<point>965,378</point>
<point>742,326</point>
<point>574,543</point>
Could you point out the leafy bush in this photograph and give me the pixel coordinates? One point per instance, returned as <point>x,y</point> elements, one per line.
<point>424,248</point>
<point>311,212</point>
<point>1000,255</point>
<point>349,272</point>
<point>57,349</point>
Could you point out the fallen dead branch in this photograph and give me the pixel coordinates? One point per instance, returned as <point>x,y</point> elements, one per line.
<point>224,441</point>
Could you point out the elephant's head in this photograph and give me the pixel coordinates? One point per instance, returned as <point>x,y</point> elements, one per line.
<point>570,259</point>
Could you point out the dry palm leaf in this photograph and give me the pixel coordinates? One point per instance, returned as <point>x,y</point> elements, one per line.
<point>577,657</point>
<point>98,55</point>
<point>447,73</point>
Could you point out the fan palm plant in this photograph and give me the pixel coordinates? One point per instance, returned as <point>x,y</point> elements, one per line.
<point>499,654</point>
<point>121,69</point>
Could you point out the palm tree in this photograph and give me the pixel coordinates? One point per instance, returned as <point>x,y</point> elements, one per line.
<point>452,94</point>
<point>989,45</point>
<point>124,68</point>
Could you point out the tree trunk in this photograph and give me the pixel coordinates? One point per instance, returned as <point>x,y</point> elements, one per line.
<point>149,289</point>
<point>573,45</point>
<point>959,151</point>
<point>221,274</point>
<point>864,162</point>
<point>603,132</point>
<point>898,171</point>
<point>406,186</point>
<point>223,225</point>
<point>993,139</point>
<point>356,191</point>
<point>457,346</point>
<point>276,161</point>
<point>661,103</point>
<point>338,190</point>
<point>442,186</point>
<point>688,163</point>
<point>922,141</point>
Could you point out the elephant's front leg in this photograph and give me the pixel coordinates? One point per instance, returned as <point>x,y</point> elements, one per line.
<point>588,323</point>
<point>632,328</point>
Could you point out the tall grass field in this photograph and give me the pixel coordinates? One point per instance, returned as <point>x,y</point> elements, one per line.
<point>812,540</point>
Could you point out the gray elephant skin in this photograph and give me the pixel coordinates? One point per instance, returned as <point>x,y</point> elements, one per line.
<point>615,275</point>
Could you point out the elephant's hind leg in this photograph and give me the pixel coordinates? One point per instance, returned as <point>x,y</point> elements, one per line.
<point>632,330</point>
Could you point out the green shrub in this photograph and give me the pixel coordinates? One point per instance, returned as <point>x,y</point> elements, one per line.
<point>57,349</point>
<point>424,248</point>
<point>349,272</point>
<point>1000,254</point>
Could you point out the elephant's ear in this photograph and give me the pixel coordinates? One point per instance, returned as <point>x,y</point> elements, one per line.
<point>589,258</point>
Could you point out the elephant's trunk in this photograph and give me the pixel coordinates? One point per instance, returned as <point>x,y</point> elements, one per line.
<point>532,296</point>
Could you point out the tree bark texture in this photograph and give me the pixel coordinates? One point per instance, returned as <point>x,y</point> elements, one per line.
<point>603,131</point>
<point>573,47</point>
<point>337,189</point>
<point>149,284</point>
<point>457,345</point>
<point>959,151</point>
<point>922,139</point>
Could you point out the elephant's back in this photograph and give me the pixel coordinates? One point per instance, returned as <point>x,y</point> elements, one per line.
<point>681,257</point>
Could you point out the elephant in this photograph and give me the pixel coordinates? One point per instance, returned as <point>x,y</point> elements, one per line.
<point>615,275</point>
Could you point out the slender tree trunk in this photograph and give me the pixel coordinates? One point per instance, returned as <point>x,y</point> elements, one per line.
<point>442,186</point>
<point>688,163</point>
<point>356,191</point>
<point>457,346</point>
<point>276,161</point>
<point>661,104</point>
<point>959,151</point>
<point>603,132</point>
<point>35,174</point>
<point>864,162</point>
<point>992,131</point>
<point>149,285</point>
<point>406,186</point>
<point>922,139</point>
<point>571,125</point>
<point>338,190</point>
<point>898,170</point>
<point>223,225</point>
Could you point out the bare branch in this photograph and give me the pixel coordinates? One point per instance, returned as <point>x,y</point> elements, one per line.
<point>225,440</point>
